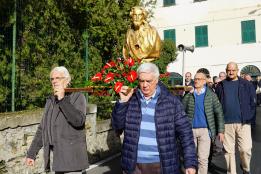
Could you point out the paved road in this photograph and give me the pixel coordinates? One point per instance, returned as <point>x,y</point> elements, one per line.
<point>218,162</point>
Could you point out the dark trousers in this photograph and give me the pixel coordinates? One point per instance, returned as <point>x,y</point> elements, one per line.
<point>258,99</point>
<point>147,168</point>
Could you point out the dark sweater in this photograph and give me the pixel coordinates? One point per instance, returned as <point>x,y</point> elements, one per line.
<point>246,96</point>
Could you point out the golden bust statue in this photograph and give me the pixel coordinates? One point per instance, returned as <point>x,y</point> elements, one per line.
<point>142,40</point>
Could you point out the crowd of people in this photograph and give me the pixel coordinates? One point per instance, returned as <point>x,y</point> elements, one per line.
<point>162,133</point>
<point>238,96</point>
<point>218,112</point>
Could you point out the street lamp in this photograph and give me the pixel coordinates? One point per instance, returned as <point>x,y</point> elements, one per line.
<point>183,49</point>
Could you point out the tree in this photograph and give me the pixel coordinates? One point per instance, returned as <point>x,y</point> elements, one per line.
<point>6,11</point>
<point>45,41</point>
<point>50,33</point>
<point>168,54</point>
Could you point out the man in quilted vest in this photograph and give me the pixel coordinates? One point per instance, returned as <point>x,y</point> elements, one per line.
<point>205,113</point>
<point>153,120</point>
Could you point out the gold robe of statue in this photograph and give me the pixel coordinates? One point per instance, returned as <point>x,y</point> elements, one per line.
<point>142,40</point>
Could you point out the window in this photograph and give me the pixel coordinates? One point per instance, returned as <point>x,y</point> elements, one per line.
<point>168,3</point>
<point>201,36</point>
<point>248,31</point>
<point>170,34</point>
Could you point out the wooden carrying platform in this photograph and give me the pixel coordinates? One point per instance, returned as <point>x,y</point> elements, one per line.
<point>103,89</point>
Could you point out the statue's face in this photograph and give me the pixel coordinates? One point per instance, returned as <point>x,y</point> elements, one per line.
<point>137,17</point>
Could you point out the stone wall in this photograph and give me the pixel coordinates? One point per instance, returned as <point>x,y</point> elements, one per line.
<point>18,129</point>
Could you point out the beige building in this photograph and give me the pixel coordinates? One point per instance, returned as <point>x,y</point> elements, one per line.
<point>220,30</point>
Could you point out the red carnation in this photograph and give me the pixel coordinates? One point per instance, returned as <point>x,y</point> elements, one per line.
<point>97,77</point>
<point>130,62</point>
<point>106,66</point>
<point>109,77</point>
<point>117,87</point>
<point>110,64</point>
<point>132,76</point>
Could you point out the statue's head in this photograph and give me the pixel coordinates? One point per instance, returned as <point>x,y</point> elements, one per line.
<point>138,15</point>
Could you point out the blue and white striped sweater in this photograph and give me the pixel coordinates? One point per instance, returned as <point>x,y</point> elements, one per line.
<point>147,145</point>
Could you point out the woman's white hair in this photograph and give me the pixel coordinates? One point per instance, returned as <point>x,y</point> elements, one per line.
<point>63,70</point>
<point>149,68</point>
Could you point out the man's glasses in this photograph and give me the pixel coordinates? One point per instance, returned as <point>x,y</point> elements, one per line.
<point>56,78</point>
<point>198,79</point>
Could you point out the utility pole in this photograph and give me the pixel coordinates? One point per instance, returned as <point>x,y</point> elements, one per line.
<point>85,38</point>
<point>183,49</point>
<point>13,58</point>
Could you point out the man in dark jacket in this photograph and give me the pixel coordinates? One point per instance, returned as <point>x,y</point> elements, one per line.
<point>61,130</point>
<point>238,100</point>
<point>153,120</point>
<point>206,116</point>
<point>188,81</point>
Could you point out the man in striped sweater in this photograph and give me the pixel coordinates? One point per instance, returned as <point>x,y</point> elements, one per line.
<point>205,113</point>
<point>152,120</point>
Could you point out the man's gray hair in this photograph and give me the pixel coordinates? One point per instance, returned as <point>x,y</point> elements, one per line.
<point>63,70</point>
<point>149,68</point>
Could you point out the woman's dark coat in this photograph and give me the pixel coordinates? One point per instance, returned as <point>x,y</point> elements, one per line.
<point>69,140</point>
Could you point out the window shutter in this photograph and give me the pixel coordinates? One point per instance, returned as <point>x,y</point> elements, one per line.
<point>201,36</point>
<point>170,34</point>
<point>248,31</point>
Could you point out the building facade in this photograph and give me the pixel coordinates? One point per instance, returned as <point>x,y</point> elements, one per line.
<point>220,31</point>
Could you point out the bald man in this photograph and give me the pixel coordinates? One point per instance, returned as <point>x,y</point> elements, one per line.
<point>237,97</point>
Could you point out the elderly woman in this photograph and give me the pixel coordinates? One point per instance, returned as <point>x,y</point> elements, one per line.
<point>61,130</point>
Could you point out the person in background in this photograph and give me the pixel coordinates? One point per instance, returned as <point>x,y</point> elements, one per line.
<point>249,78</point>
<point>242,75</point>
<point>254,83</point>
<point>188,81</point>
<point>206,116</point>
<point>153,120</point>
<point>216,80</point>
<point>258,90</point>
<point>222,75</point>
<point>238,102</point>
<point>216,146</point>
<point>62,129</point>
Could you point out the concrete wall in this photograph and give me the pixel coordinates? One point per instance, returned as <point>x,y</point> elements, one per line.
<point>18,129</point>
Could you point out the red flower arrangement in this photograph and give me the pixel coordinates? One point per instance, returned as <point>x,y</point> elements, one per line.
<point>116,74</point>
